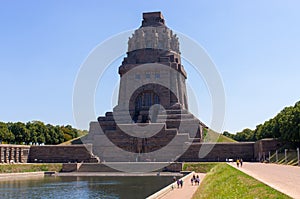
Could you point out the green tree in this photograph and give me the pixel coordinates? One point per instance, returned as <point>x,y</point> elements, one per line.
<point>31,127</point>
<point>36,132</point>
<point>227,134</point>
<point>5,134</point>
<point>59,133</point>
<point>69,132</point>
<point>20,132</point>
<point>245,135</point>
<point>41,131</point>
<point>285,126</point>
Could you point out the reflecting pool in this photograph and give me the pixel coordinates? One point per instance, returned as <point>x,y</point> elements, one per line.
<point>84,187</point>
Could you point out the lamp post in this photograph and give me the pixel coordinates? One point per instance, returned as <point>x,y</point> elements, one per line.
<point>285,155</point>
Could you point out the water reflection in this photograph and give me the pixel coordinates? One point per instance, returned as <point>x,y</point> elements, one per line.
<point>83,187</point>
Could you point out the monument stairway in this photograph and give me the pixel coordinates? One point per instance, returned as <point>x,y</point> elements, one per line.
<point>130,167</point>
<point>177,130</point>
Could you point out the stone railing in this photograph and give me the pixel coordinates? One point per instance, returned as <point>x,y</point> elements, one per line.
<point>13,153</point>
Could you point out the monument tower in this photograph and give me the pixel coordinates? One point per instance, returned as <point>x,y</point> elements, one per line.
<point>151,121</point>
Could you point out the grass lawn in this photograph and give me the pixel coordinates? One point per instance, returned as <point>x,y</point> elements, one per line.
<point>212,136</point>
<point>20,168</point>
<point>224,181</point>
<point>199,167</point>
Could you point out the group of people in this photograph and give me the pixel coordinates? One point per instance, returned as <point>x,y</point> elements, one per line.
<point>239,162</point>
<point>179,182</point>
<point>195,180</point>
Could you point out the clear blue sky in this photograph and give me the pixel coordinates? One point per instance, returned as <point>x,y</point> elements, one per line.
<point>255,46</point>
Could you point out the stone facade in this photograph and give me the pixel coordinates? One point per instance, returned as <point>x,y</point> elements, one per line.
<point>151,121</point>
<point>110,167</point>
<point>13,153</point>
<point>219,152</point>
<point>249,151</point>
<point>61,154</point>
<point>159,37</point>
<point>10,153</point>
<point>264,146</point>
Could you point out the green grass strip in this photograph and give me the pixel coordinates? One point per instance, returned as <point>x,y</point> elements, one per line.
<point>20,168</point>
<point>224,181</point>
<point>199,167</point>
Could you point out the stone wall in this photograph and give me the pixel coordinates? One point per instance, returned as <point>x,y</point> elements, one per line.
<point>112,167</point>
<point>70,167</point>
<point>264,146</point>
<point>215,152</point>
<point>61,154</point>
<point>249,151</point>
<point>13,153</point>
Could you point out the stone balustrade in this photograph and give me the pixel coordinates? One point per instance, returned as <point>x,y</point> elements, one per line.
<point>14,153</point>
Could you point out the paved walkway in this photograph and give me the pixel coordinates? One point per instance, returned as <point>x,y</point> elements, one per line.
<point>186,192</point>
<point>285,179</point>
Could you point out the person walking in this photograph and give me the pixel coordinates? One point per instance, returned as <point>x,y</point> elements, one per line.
<point>241,162</point>
<point>192,181</point>
<point>197,180</point>
<point>181,183</point>
<point>237,162</point>
<point>178,183</point>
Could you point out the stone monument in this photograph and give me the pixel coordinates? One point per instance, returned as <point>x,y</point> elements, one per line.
<point>151,121</point>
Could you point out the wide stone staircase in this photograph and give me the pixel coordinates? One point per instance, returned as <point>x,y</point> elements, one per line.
<point>165,139</point>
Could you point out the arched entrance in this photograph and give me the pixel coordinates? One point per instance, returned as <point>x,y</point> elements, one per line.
<point>143,102</point>
<point>146,99</point>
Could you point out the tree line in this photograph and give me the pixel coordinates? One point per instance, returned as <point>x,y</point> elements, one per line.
<point>284,126</point>
<point>36,132</point>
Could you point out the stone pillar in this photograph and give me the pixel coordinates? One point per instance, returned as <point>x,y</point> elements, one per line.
<point>11,153</point>
<point>1,154</point>
<point>20,155</point>
<point>24,154</point>
<point>16,155</point>
<point>6,155</point>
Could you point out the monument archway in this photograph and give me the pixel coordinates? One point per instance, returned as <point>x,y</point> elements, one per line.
<point>146,99</point>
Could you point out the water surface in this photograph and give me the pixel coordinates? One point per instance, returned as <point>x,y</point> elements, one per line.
<point>84,187</point>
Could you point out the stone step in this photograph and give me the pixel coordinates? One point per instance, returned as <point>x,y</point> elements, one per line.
<point>175,111</point>
<point>174,123</point>
<point>130,167</point>
<point>175,116</point>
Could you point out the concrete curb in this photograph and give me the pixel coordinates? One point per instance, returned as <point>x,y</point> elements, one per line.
<point>113,174</point>
<point>6,176</point>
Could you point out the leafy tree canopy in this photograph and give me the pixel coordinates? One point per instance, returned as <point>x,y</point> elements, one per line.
<point>284,126</point>
<point>36,132</point>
